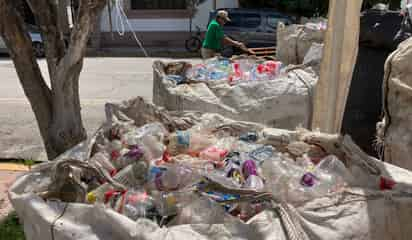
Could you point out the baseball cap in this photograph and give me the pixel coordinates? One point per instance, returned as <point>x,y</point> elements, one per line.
<point>223,14</point>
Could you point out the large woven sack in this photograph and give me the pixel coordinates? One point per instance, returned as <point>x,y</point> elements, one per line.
<point>396,127</point>
<point>285,102</point>
<point>356,213</point>
<point>294,42</point>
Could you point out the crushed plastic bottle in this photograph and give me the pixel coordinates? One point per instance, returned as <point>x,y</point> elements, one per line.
<point>332,165</point>
<point>170,203</point>
<point>136,204</point>
<point>177,79</point>
<point>213,154</point>
<point>261,154</point>
<point>254,182</point>
<point>197,73</point>
<point>131,176</point>
<point>101,160</point>
<point>172,178</point>
<point>129,156</point>
<point>189,142</point>
<point>200,210</point>
<point>249,137</point>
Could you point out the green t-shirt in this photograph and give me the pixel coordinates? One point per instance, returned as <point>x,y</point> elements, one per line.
<point>214,36</point>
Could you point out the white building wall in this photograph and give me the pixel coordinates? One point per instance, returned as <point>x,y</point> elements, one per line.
<point>227,3</point>
<point>165,24</point>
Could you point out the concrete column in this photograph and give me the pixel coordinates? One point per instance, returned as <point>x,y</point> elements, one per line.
<point>338,62</point>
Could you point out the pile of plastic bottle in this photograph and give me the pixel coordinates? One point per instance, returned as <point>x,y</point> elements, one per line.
<point>168,176</point>
<point>234,71</point>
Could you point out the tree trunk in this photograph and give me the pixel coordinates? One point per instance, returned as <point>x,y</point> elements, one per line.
<point>57,109</point>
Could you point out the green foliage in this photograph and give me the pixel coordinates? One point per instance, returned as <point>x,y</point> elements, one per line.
<point>11,229</point>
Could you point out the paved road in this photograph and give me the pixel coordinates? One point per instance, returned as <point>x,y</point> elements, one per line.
<point>102,80</point>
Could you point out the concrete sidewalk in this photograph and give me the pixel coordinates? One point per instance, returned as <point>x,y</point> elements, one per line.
<point>7,178</point>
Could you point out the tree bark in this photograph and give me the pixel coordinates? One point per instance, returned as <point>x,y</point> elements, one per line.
<point>57,110</point>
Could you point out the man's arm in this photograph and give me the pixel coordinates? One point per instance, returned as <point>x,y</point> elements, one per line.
<point>229,41</point>
<point>242,46</point>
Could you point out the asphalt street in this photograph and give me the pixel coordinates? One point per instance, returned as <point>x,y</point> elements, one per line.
<point>102,80</point>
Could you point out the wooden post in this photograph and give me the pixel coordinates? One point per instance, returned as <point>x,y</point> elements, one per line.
<point>339,57</point>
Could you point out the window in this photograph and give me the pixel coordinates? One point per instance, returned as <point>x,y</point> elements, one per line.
<point>157,4</point>
<point>246,20</point>
<point>273,21</point>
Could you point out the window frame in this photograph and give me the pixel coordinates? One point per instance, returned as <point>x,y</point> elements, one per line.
<point>277,16</point>
<point>154,13</point>
<point>243,19</point>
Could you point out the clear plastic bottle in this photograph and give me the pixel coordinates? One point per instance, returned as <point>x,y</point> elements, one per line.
<point>170,203</point>
<point>136,204</point>
<point>333,166</point>
<point>197,73</point>
<point>199,210</point>
<point>102,160</point>
<point>149,138</point>
<point>173,178</point>
<point>129,156</point>
<point>261,154</point>
<point>254,182</point>
<point>131,176</point>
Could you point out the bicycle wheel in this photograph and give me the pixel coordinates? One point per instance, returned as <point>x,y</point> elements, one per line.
<point>193,44</point>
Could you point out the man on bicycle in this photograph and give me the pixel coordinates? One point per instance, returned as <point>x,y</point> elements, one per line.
<point>215,37</point>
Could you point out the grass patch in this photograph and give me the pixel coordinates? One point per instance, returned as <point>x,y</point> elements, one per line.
<point>11,229</point>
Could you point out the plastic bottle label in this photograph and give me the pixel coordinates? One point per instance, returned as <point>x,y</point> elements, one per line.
<point>183,138</point>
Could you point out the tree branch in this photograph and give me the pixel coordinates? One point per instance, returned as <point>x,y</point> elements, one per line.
<point>86,21</point>
<point>20,48</point>
<point>47,17</point>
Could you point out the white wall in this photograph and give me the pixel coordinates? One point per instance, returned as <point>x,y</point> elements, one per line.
<point>227,3</point>
<point>165,24</point>
<point>202,15</point>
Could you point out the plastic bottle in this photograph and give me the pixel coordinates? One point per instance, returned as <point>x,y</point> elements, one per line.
<point>136,204</point>
<point>214,154</point>
<point>169,204</point>
<point>249,168</point>
<point>218,75</point>
<point>150,138</point>
<point>249,137</point>
<point>129,156</point>
<point>261,154</point>
<point>200,210</point>
<point>254,182</point>
<point>188,142</point>
<point>103,161</point>
<point>282,177</point>
<point>174,177</point>
<point>131,176</point>
<point>330,175</point>
<point>273,68</point>
<point>177,79</point>
<point>119,129</point>
<point>332,165</point>
<point>259,73</point>
<point>197,73</point>
<point>237,73</point>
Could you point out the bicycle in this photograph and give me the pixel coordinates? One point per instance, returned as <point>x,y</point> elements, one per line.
<point>194,43</point>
